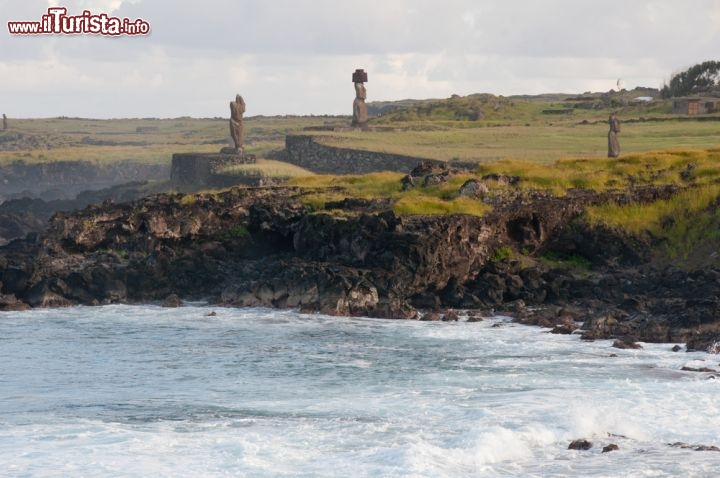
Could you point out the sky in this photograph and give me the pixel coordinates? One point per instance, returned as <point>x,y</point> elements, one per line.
<point>297,56</point>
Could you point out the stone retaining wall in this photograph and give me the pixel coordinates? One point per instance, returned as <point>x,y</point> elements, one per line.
<point>191,171</point>
<point>304,151</point>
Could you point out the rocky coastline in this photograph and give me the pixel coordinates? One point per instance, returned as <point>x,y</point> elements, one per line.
<point>264,247</point>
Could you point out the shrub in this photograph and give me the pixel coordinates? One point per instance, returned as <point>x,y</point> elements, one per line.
<point>501,254</point>
<point>237,231</point>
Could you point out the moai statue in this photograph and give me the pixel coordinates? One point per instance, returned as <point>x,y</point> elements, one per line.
<point>613,143</point>
<point>237,131</point>
<point>360,113</point>
<point>4,122</point>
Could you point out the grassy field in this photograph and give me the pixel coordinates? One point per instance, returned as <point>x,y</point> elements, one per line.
<point>522,129</point>
<point>506,128</point>
<point>539,142</point>
<point>544,141</point>
<point>71,139</point>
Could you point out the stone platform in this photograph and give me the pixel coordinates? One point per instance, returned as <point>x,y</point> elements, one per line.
<point>191,171</point>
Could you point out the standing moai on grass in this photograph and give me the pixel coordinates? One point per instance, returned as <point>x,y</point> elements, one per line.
<point>360,112</point>
<point>4,122</point>
<point>613,143</point>
<point>237,131</point>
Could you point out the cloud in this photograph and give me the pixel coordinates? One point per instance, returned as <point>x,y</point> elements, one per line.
<point>296,56</point>
<point>95,6</point>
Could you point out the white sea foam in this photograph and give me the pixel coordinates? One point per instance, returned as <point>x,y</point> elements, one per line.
<point>147,391</point>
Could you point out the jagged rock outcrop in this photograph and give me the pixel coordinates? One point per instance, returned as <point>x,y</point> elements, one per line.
<point>19,217</point>
<point>252,247</point>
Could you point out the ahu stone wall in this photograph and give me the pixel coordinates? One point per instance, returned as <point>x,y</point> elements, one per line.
<point>304,151</point>
<point>192,171</point>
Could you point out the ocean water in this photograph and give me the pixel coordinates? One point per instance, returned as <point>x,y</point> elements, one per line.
<point>126,391</point>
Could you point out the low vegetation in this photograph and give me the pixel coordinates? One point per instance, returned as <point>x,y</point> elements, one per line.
<point>236,232</point>
<point>269,168</point>
<point>501,254</point>
<point>572,261</point>
<point>431,200</point>
<point>682,167</point>
<point>677,226</point>
<point>418,204</point>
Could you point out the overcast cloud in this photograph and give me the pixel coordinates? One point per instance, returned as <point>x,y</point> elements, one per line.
<point>297,56</point>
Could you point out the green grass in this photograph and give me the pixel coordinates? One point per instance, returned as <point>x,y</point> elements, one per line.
<point>601,174</point>
<point>365,186</point>
<point>694,169</point>
<point>572,261</point>
<point>238,231</point>
<point>434,200</point>
<point>326,188</point>
<point>502,253</point>
<point>540,142</point>
<point>517,129</point>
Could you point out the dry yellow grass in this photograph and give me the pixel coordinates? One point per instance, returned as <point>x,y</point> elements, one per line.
<point>269,168</point>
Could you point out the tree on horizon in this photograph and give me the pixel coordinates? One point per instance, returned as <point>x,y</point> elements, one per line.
<point>703,78</point>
